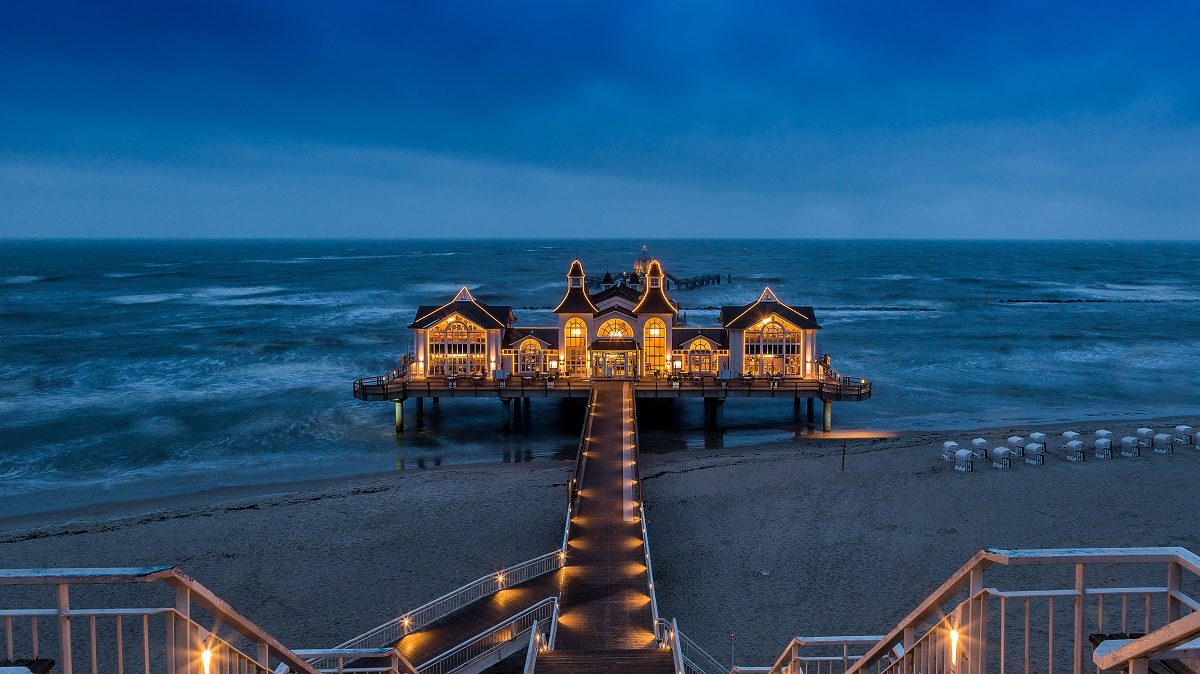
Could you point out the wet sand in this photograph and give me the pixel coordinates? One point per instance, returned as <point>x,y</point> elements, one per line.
<point>769,542</point>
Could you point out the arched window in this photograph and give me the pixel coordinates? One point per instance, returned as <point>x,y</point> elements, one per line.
<point>457,347</point>
<point>700,357</point>
<point>655,343</point>
<point>576,351</point>
<point>529,356</point>
<point>614,327</point>
<point>773,347</point>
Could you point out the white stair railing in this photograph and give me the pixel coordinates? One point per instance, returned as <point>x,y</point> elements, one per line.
<point>493,644</point>
<point>391,632</point>
<point>170,640</point>
<point>968,627</point>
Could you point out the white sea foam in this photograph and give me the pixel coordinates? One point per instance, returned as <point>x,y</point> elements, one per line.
<point>22,279</point>
<point>150,298</point>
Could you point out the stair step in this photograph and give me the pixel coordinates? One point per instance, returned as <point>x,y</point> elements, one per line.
<point>640,661</point>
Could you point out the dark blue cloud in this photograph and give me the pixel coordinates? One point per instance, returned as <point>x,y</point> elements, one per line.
<point>841,99</point>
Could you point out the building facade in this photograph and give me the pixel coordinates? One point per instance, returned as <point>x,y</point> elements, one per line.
<point>629,329</point>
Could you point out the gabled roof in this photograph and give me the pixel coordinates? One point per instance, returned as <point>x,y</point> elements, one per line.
<point>654,300</point>
<point>740,318</point>
<point>622,291</point>
<point>547,336</point>
<point>485,316</point>
<point>681,336</point>
<point>615,309</point>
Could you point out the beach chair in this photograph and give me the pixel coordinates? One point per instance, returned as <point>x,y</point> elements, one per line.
<point>980,448</point>
<point>1016,445</point>
<point>1130,446</point>
<point>1035,454</point>
<point>1001,458</point>
<point>1039,438</point>
<point>1163,444</point>
<point>1145,437</point>
<point>1103,448</point>
<point>1105,434</point>
<point>1068,436</point>
<point>1184,435</point>
<point>964,460</point>
<point>949,449</point>
<point>1075,451</point>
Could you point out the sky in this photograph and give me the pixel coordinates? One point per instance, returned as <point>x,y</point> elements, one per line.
<point>844,119</point>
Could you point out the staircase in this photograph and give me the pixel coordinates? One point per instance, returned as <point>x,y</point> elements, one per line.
<point>628,661</point>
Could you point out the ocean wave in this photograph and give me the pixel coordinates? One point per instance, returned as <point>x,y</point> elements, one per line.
<point>22,279</point>
<point>150,298</point>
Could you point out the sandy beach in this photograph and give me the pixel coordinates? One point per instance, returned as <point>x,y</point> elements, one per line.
<point>769,542</point>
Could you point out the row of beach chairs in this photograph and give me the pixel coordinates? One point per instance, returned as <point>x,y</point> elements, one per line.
<point>1033,450</point>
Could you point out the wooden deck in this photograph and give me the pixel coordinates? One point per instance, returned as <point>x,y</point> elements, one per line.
<point>700,387</point>
<point>606,622</point>
<point>440,636</point>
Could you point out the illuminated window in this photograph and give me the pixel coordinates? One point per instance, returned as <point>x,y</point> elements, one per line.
<point>457,347</point>
<point>529,357</point>
<point>773,347</point>
<point>576,348</point>
<point>700,357</point>
<point>655,343</point>
<point>615,328</point>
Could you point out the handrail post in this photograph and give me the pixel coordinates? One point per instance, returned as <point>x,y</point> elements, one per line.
<point>183,607</point>
<point>910,639</point>
<point>64,629</point>
<point>1079,617</point>
<point>1174,584</point>
<point>264,653</point>
<point>977,632</point>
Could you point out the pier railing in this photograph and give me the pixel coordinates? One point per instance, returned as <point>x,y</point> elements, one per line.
<point>490,646</point>
<point>391,632</point>
<point>166,640</point>
<point>847,388</point>
<point>968,627</point>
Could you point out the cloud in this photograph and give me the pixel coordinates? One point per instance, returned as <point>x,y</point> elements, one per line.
<point>793,118</point>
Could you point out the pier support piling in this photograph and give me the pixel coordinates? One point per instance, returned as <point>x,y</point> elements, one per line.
<point>828,422</point>
<point>719,413</point>
<point>399,416</point>
<point>796,408</point>
<point>812,409</point>
<point>506,416</point>
<point>420,406</point>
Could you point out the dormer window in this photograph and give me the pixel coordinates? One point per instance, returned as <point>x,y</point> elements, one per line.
<point>575,283</point>
<point>653,283</point>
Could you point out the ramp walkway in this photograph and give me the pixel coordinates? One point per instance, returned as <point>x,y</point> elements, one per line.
<point>606,621</point>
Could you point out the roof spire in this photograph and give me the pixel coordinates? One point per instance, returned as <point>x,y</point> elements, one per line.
<point>464,295</point>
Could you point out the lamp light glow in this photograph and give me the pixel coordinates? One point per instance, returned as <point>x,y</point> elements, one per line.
<point>954,647</point>
<point>206,659</point>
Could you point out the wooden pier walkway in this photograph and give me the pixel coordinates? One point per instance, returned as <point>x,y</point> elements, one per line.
<point>605,622</point>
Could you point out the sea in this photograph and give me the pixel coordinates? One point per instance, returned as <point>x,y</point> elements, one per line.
<point>138,369</point>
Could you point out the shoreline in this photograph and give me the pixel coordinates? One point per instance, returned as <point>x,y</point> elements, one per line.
<point>122,507</point>
<point>768,541</point>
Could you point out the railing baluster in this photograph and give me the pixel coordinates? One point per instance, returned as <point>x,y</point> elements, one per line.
<point>1124,613</point>
<point>1147,613</point>
<point>1003,642</point>
<point>33,635</point>
<point>92,630</point>
<point>1026,635</point>
<point>8,636</point>
<point>120,649</point>
<point>1050,637</point>
<point>146,644</point>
